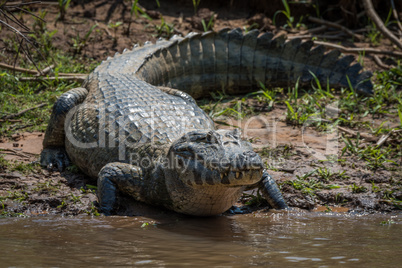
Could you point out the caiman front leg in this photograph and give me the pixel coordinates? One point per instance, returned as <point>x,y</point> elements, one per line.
<point>270,191</point>
<point>116,177</point>
<point>54,153</point>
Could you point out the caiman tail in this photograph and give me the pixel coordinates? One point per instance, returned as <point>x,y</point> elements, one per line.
<point>235,62</point>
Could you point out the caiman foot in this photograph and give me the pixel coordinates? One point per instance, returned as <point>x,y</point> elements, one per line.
<point>270,191</point>
<point>54,158</point>
<point>115,177</point>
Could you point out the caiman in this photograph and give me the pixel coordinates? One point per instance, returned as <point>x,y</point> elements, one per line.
<point>134,123</point>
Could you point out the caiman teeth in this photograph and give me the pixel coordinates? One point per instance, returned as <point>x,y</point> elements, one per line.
<point>222,176</point>
<point>238,175</point>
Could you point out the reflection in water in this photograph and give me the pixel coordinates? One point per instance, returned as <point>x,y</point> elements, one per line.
<point>275,239</point>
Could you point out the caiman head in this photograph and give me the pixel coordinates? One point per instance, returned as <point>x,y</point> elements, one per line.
<point>208,170</point>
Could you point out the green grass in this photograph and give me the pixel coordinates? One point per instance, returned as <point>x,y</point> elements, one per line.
<point>16,95</point>
<point>358,188</point>
<point>308,184</point>
<point>24,168</point>
<point>229,106</point>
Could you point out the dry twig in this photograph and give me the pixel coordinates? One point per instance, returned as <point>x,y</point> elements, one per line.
<point>379,62</point>
<point>355,134</point>
<point>10,120</point>
<point>358,50</point>
<point>395,13</point>
<point>336,25</point>
<point>14,152</point>
<point>17,69</point>
<point>384,138</point>
<point>368,7</point>
<point>23,111</point>
<point>34,72</point>
<point>76,78</point>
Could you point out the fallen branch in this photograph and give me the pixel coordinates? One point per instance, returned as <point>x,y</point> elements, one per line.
<point>355,134</point>
<point>11,176</point>
<point>368,7</point>
<point>380,63</point>
<point>46,70</point>
<point>321,36</point>
<point>17,69</point>
<point>358,50</point>
<point>324,27</point>
<point>21,127</point>
<point>35,72</point>
<point>336,25</point>
<point>14,152</point>
<point>75,78</point>
<point>10,120</point>
<point>320,28</point>
<point>395,13</point>
<point>384,138</point>
<point>23,111</point>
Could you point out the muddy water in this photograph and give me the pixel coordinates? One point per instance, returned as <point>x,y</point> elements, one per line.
<point>275,239</point>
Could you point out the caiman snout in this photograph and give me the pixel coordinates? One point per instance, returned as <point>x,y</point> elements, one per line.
<point>243,160</point>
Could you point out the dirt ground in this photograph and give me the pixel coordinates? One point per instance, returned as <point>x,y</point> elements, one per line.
<point>290,151</point>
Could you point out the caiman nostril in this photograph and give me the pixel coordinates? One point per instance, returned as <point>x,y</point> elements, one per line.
<point>250,154</point>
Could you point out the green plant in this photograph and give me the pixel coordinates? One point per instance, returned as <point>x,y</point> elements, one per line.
<point>287,14</point>
<point>63,6</point>
<point>339,198</point>
<point>196,3</point>
<point>74,198</point>
<point>328,209</point>
<point>63,204</point>
<point>375,157</point>
<point>80,43</point>
<point>25,168</point>
<point>44,38</point>
<point>93,211</point>
<point>114,26</point>
<point>375,188</point>
<point>164,29</point>
<point>210,25</point>
<point>374,34</point>
<point>136,9</point>
<point>73,169</point>
<point>350,146</point>
<point>325,173</point>
<point>39,22</point>
<point>387,222</point>
<point>88,189</point>
<point>290,19</point>
<point>147,224</point>
<point>309,185</point>
<point>46,187</point>
<point>360,59</point>
<point>250,27</point>
<point>265,95</point>
<point>253,199</point>
<point>358,189</point>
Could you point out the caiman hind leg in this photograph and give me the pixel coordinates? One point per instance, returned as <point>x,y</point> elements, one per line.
<point>118,177</point>
<point>270,191</point>
<point>53,153</point>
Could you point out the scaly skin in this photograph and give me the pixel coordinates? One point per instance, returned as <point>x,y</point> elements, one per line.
<point>136,127</point>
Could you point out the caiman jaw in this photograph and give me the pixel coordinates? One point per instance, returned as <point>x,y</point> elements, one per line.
<point>211,158</point>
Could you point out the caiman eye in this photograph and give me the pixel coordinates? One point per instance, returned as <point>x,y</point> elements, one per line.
<point>181,148</point>
<point>234,134</point>
<point>211,137</point>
